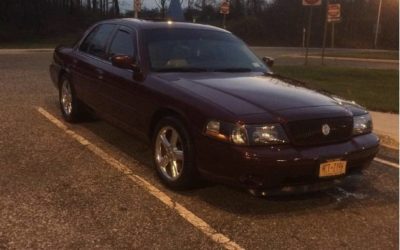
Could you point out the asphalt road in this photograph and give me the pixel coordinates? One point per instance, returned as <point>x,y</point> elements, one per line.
<point>56,193</point>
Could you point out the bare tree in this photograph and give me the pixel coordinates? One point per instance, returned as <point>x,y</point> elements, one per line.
<point>94,5</point>
<point>115,7</point>
<point>162,5</point>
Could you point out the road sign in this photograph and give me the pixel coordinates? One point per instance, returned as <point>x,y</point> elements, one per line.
<point>334,14</point>
<point>224,9</point>
<point>312,2</point>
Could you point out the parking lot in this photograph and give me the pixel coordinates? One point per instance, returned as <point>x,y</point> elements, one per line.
<point>91,185</point>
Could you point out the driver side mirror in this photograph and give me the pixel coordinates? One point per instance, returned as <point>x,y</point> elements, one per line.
<point>269,61</point>
<point>125,62</point>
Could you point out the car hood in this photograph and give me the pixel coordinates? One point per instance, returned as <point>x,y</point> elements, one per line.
<point>253,94</point>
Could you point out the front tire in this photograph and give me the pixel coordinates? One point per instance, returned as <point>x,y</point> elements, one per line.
<point>173,153</point>
<point>71,107</point>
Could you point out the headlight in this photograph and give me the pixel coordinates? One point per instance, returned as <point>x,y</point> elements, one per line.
<point>246,134</point>
<point>267,134</point>
<point>239,135</point>
<point>362,124</point>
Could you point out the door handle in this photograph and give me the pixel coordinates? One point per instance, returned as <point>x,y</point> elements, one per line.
<point>100,73</point>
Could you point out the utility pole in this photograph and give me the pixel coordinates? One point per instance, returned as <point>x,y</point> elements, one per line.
<point>310,5</point>
<point>245,7</point>
<point>135,9</point>
<point>378,22</point>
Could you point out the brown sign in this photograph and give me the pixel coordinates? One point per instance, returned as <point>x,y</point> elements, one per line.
<point>224,9</point>
<point>312,2</point>
<point>333,14</point>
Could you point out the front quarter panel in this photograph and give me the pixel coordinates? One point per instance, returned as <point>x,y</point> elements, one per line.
<point>195,111</point>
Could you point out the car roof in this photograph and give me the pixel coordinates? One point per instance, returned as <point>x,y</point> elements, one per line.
<point>148,24</point>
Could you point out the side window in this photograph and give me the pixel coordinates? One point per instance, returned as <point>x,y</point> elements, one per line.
<point>122,44</point>
<point>88,40</point>
<point>95,43</point>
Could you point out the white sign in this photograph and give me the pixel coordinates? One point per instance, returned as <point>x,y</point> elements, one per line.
<point>333,14</point>
<point>224,9</point>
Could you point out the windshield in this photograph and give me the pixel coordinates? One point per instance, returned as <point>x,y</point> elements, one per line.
<point>195,50</point>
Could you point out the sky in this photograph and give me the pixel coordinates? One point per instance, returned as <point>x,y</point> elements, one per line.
<point>126,5</point>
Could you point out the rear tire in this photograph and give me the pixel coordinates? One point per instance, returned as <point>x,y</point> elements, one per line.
<point>71,108</point>
<point>173,154</point>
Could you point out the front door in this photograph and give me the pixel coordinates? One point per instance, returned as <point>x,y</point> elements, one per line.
<point>118,86</point>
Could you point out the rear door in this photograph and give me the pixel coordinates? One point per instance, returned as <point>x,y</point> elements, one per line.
<point>90,58</point>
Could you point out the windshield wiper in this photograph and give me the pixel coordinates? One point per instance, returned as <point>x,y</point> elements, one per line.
<point>183,69</point>
<point>233,70</point>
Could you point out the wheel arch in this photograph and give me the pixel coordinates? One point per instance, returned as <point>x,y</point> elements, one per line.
<point>166,112</point>
<point>61,74</point>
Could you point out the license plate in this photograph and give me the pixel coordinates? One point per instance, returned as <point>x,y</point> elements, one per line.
<point>332,168</point>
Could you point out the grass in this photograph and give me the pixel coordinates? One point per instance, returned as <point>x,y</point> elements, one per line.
<point>389,55</point>
<point>375,89</point>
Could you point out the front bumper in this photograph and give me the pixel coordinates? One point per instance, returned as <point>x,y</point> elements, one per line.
<point>308,187</point>
<point>275,167</point>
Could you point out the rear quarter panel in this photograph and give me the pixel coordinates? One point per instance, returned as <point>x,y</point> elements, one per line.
<point>59,64</point>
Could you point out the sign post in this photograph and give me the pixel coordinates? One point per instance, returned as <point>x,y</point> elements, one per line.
<point>324,42</point>
<point>333,16</point>
<point>325,31</point>
<point>378,20</point>
<point>311,4</point>
<point>308,34</point>
<point>224,10</point>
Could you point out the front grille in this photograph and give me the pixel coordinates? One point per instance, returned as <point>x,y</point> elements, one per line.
<point>309,132</point>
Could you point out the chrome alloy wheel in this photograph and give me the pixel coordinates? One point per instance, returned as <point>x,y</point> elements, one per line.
<point>169,155</point>
<point>66,97</point>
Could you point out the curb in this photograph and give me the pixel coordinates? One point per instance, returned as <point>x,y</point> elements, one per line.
<point>348,59</point>
<point>388,142</point>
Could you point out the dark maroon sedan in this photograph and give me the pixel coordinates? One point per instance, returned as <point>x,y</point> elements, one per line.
<point>210,107</point>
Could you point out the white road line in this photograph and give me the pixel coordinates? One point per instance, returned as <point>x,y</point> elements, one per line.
<point>164,198</point>
<point>24,51</point>
<point>392,164</point>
